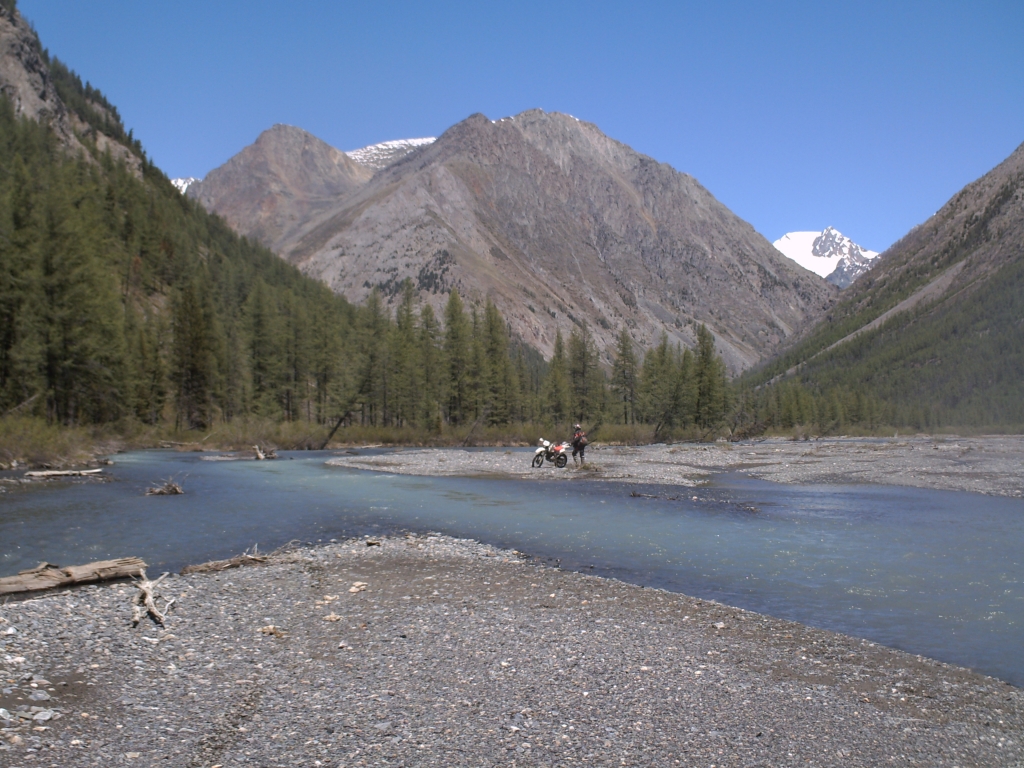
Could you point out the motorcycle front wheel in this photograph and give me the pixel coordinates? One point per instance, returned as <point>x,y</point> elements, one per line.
<point>561,461</point>
<point>538,460</point>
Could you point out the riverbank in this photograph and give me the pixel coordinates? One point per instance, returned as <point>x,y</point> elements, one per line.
<point>432,651</point>
<point>988,465</point>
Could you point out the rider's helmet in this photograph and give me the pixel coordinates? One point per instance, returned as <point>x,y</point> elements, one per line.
<point>577,427</point>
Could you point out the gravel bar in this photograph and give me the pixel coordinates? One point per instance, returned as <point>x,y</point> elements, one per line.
<point>990,465</point>
<point>426,650</point>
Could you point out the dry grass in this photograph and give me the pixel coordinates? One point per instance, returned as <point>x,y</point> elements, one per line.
<point>31,442</point>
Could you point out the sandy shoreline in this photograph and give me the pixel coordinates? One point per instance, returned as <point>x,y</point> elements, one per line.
<point>990,465</point>
<point>456,653</point>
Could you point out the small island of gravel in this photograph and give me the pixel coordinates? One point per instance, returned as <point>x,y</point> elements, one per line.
<point>990,465</point>
<point>433,651</point>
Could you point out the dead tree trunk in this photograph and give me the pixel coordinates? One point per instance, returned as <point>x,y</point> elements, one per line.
<point>47,575</point>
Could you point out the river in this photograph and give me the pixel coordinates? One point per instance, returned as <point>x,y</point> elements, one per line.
<point>938,573</point>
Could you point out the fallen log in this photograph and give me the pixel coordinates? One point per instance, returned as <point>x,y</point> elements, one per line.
<point>45,473</point>
<point>47,575</point>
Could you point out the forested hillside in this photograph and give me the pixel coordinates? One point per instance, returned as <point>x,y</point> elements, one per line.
<point>932,337</point>
<point>121,301</point>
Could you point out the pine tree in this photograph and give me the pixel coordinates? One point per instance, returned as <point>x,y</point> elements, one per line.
<point>194,368</point>
<point>658,386</point>
<point>501,384</point>
<point>556,385</point>
<point>406,360</point>
<point>586,380</point>
<point>429,339</point>
<point>374,384</point>
<point>710,378</point>
<point>457,353</point>
<point>625,376</point>
<point>265,350</point>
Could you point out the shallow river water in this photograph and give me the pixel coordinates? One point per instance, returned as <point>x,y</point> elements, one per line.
<point>937,573</point>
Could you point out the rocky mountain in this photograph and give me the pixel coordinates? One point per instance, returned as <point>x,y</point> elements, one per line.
<point>25,75</point>
<point>937,326</point>
<point>559,225</point>
<point>378,156</point>
<point>836,258</point>
<point>279,182</point>
<point>39,88</point>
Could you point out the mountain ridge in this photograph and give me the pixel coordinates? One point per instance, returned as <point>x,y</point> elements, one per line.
<point>278,181</point>
<point>559,224</point>
<point>380,156</point>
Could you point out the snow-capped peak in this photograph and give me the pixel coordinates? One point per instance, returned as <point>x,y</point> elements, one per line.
<point>381,155</point>
<point>184,184</point>
<point>836,258</point>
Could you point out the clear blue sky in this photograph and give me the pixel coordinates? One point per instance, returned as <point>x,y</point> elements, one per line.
<point>866,116</point>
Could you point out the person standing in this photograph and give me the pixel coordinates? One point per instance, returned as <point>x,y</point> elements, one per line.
<point>579,444</point>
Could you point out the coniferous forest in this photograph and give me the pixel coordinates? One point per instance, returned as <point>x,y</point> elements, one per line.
<point>123,302</point>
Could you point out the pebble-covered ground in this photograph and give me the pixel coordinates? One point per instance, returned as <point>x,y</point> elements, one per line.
<point>432,651</point>
<point>989,465</point>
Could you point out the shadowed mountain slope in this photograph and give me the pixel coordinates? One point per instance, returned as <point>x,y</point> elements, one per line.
<point>560,224</point>
<point>937,327</point>
<point>277,183</point>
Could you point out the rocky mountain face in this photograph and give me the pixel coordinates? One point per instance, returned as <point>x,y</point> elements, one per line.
<point>378,156</point>
<point>836,258</point>
<point>25,75</point>
<point>559,225</point>
<point>27,80</point>
<point>279,182</point>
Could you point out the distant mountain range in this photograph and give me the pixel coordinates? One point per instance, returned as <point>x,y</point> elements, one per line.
<point>836,258</point>
<point>543,213</point>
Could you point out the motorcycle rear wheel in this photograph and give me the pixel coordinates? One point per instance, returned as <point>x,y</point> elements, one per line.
<point>561,461</point>
<point>538,460</point>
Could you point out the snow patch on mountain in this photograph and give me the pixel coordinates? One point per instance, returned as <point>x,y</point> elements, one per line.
<point>382,155</point>
<point>184,184</point>
<point>829,254</point>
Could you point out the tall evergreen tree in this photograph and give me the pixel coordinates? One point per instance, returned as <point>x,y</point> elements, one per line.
<point>556,385</point>
<point>195,357</point>
<point>586,380</point>
<point>710,377</point>
<point>429,337</point>
<point>457,353</point>
<point>406,360</point>
<point>625,378</point>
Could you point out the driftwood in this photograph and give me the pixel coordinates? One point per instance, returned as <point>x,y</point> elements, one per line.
<point>270,453</point>
<point>246,558</point>
<point>47,575</point>
<point>46,473</point>
<point>144,602</point>
<point>169,488</point>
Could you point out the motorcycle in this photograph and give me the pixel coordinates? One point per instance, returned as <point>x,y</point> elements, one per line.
<point>556,453</point>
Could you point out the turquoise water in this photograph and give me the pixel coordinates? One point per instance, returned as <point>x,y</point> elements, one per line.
<point>932,572</point>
